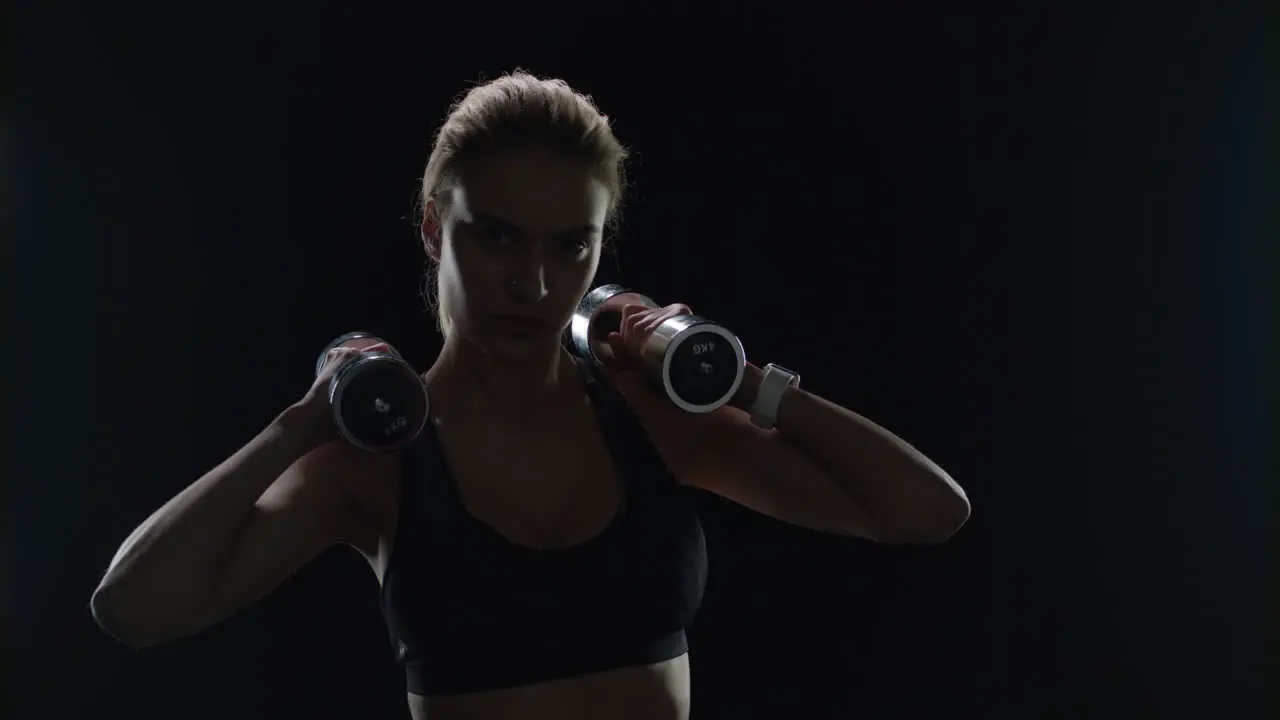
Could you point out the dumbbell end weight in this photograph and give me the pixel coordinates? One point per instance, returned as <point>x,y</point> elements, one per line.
<point>379,403</point>
<point>699,364</point>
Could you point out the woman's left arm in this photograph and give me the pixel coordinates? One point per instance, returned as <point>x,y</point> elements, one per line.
<point>821,466</point>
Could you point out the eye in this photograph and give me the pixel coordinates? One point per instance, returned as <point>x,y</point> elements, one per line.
<point>495,237</point>
<point>575,246</point>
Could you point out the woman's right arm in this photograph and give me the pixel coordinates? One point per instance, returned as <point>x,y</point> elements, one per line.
<point>234,534</point>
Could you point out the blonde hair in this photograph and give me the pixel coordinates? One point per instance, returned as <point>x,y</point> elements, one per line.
<point>520,109</point>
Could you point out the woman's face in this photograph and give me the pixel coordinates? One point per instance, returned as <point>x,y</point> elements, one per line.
<point>519,246</point>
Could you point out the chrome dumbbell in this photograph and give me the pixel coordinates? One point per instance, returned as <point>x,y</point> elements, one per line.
<point>379,403</point>
<point>696,363</point>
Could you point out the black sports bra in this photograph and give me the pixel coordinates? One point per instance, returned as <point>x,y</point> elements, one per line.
<point>469,611</point>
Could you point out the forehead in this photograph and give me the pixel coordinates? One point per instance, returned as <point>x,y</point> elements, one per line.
<point>533,189</point>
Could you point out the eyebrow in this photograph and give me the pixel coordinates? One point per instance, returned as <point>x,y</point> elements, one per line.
<point>495,221</point>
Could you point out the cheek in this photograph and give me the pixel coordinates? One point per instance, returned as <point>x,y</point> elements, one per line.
<point>453,282</point>
<point>471,270</point>
<point>586,274</point>
<point>574,278</point>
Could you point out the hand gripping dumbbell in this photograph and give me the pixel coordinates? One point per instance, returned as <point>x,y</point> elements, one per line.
<point>379,403</point>
<point>696,363</point>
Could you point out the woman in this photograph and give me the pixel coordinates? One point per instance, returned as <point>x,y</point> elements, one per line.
<point>537,551</point>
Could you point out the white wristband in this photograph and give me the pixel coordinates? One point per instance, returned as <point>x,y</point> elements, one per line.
<point>776,380</point>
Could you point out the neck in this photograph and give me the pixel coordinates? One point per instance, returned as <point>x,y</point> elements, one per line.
<point>465,377</point>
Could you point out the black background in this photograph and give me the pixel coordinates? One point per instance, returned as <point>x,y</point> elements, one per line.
<point>1034,242</point>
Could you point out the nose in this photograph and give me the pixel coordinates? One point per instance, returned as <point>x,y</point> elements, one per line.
<point>528,281</point>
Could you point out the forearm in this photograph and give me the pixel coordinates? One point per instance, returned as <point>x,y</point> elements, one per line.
<point>169,565</point>
<point>909,496</point>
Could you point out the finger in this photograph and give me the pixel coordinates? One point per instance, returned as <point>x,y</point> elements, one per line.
<point>617,344</point>
<point>626,310</point>
<point>655,321</point>
<point>632,318</point>
<point>338,356</point>
<point>618,348</point>
<point>337,353</point>
<point>364,343</point>
<point>631,312</point>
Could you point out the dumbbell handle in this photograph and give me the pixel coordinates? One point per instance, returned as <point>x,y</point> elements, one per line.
<point>593,323</point>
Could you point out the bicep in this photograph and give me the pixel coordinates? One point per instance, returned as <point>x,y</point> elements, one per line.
<point>303,513</point>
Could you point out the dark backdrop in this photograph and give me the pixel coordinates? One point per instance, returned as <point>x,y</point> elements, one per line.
<point>1032,242</point>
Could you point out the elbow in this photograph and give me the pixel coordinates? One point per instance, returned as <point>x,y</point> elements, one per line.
<point>107,613</point>
<point>942,531</point>
<point>947,520</point>
<point>110,612</point>
<point>951,517</point>
<point>931,526</point>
